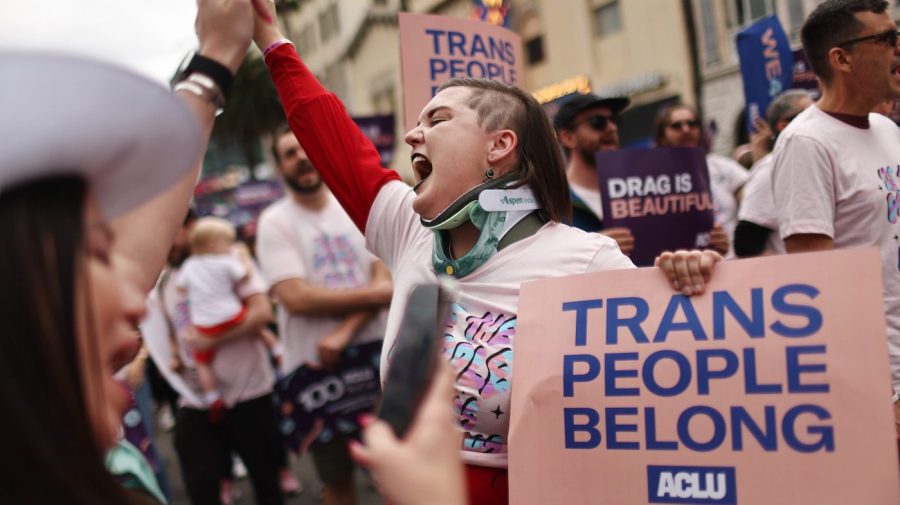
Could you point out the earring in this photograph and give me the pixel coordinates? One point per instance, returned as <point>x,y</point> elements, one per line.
<point>489,174</point>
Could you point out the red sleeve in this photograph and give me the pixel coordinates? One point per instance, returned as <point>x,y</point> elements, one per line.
<point>346,159</point>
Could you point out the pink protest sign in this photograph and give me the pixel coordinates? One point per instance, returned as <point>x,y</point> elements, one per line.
<point>772,387</point>
<point>435,49</point>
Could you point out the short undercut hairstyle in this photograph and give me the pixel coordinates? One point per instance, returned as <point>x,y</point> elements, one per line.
<point>500,106</point>
<point>830,24</point>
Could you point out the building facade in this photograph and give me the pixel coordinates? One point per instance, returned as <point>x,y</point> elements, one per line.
<point>722,90</point>
<point>637,48</point>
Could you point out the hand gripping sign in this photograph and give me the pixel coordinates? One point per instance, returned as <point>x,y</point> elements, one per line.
<point>435,49</point>
<point>772,387</point>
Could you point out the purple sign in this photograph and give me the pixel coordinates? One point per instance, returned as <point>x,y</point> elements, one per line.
<point>315,404</point>
<point>803,75</point>
<point>380,130</point>
<point>662,195</point>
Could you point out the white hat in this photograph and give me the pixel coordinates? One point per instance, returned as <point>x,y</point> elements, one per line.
<point>128,136</point>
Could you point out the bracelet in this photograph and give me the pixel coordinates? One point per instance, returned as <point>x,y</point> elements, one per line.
<point>274,45</point>
<point>205,88</point>
<point>220,74</point>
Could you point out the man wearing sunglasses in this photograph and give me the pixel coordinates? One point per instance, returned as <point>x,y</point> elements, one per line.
<point>836,177</point>
<point>585,125</point>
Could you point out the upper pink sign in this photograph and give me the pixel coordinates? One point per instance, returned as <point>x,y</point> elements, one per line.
<point>435,49</point>
<point>772,387</point>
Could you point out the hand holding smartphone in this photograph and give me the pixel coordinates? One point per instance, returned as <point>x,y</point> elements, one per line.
<point>415,355</point>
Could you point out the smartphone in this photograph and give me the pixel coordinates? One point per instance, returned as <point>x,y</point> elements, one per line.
<point>414,356</point>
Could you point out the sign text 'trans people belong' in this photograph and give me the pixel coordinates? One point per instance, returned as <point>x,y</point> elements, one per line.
<point>435,49</point>
<point>771,387</point>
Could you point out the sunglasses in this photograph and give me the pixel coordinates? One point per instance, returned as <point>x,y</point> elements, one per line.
<point>600,122</point>
<point>888,38</point>
<point>679,125</point>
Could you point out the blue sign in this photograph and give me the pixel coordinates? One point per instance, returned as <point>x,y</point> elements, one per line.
<point>766,65</point>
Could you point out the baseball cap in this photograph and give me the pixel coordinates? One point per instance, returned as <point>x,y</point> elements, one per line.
<point>572,106</point>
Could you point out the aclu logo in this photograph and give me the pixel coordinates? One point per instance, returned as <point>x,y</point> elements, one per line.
<point>692,484</point>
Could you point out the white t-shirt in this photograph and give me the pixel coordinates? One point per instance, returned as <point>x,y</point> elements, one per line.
<point>480,335</point>
<point>324,248</point>
<point>758,203</point>
<point>726,177</point>
<point>210,280</point>
<point>590,197</point>
<point>834,179</point>
<point>242,368</point>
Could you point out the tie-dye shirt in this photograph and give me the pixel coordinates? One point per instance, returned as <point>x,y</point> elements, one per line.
<point>323,248</point>
<point>479,338</point>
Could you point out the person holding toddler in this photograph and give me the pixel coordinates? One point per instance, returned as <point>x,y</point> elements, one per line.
<point>210,277</point>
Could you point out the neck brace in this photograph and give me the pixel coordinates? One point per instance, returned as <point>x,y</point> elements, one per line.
<point>457,212</point>
<point>493,211</point>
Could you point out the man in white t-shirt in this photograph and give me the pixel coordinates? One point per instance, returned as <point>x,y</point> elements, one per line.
<point>836,175</point>
<point>330,290</point>
<point>757,229</point>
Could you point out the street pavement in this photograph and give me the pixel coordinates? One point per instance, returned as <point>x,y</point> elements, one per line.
<point>303,469</point>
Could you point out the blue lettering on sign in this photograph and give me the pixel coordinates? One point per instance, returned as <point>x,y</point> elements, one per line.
<point>692,484</point>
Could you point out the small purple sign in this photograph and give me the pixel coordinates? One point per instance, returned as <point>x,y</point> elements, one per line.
<point>662,195</point>
<point>316,405</point>
<point>803,75</point>
<point>380,130</point>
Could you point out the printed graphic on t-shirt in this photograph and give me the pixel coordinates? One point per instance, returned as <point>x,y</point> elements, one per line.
<point>479,347</point>
<point>889,178</point>
<point>334,254</point>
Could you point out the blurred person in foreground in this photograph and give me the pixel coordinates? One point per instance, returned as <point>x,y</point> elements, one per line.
<point>95,179</point>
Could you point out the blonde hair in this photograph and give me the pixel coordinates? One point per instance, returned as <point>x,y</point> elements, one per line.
<point>209,229</point>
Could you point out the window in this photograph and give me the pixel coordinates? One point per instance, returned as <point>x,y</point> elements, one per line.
<point>607,19</point>
<point>306,41</point>
<point>383,100</point>
<point>534,50</point>
<point>710,37</point>
<point>796,14</point>
<point>745,12</point>
<point>334,79</point>
<point>329,23</point>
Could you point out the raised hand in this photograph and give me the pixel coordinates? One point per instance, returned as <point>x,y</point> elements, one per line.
<point>224,28</point>
<point>264,32</point>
